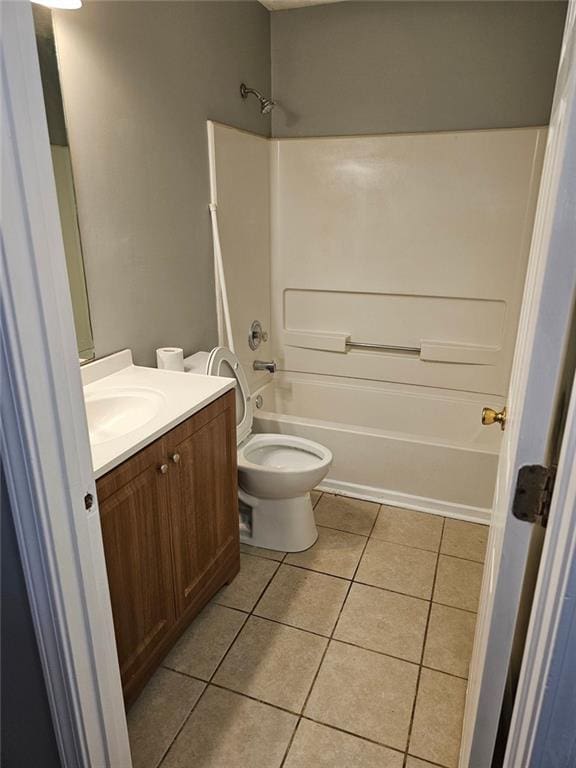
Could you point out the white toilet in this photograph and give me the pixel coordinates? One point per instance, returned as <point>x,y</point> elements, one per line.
<point>275,472</point>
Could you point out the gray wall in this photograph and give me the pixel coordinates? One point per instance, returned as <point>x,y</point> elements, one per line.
<point>139,81</point>
<point>26,724</point>
<point>379,67</point>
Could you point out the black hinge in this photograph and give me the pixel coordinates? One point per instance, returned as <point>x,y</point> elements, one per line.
<point>533,493</point>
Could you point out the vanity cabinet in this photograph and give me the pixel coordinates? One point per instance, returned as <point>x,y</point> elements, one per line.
<point>169,519</point>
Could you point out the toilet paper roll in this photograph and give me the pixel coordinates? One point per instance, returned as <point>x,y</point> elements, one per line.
<point>170,358</point>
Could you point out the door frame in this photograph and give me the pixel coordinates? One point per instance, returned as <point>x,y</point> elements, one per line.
<point>45,444</point>
<point>537,378</point>
<point>539,718</point>
<point>43,433</point>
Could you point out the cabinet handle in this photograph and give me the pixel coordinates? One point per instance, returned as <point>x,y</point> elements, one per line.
<point>163,468</point>
<point>175,458</point>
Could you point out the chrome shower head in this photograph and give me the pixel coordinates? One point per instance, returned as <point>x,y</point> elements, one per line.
<point>266,105</point>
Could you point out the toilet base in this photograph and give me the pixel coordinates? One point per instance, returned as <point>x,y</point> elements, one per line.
<point>284,525</point>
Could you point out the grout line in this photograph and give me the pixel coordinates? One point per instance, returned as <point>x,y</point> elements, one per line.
<point>262,557</point>
<point>342,530</point>
<point>465,559</point>
<point>291,626</point>
<point>330,640</point>
<point>209,682</point>
<point>313,570</point>
<point>411,725</point>
<point>300,717</point>
<point>351,733</point>
<point>253,698</point>
<point>323,637</point>
<point>179,731</point>
<point>384,589</point>
<point>185,674</point>
<point>373,538</point>
<point>316,570</point>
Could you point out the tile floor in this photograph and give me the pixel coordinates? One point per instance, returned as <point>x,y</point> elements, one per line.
<point>353,654</point>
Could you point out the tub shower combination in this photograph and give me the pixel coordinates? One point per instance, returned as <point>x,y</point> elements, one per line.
<point>423,450</point>
<point>365,262</point>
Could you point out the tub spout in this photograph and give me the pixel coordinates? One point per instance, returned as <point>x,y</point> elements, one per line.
<point>263,365</point>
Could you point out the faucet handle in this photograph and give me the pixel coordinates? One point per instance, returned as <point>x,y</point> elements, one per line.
<point>264,365</point>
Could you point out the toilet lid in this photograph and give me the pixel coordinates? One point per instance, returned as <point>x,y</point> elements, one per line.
<point>223,362</point>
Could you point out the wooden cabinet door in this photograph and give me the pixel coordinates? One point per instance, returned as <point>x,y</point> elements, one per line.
<point>133,501</point>
<point>204,501</point>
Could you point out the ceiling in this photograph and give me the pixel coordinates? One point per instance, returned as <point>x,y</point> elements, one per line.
<point>284,5</point>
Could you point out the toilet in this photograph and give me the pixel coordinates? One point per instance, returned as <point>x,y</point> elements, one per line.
<point>275,472</point>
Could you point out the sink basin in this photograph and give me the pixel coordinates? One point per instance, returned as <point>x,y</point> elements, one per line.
<point>117,412</point>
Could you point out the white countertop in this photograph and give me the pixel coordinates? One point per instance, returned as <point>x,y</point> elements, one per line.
<point>176,396</point>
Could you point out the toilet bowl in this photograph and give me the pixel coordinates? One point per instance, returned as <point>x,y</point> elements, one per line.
<point>275,472</point>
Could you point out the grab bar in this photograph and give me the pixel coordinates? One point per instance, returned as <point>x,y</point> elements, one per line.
<point>429,351</point>
<point>390,347</point>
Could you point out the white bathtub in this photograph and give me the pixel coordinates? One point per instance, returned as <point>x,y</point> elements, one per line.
<point>416,447</point>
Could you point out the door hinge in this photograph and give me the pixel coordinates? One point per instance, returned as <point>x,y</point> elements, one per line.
<point>533,493</point>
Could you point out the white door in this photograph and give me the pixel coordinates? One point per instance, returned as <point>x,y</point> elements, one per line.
<point>534,401</point>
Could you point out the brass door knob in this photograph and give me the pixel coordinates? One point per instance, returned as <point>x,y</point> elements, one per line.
<point>490,416</point>
<point>175,458</point>
<point>163,468</point>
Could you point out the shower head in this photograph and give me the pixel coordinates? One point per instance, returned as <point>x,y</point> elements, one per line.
<point>266,105</point>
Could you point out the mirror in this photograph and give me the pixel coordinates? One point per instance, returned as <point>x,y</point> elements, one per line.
<point>64,180</point>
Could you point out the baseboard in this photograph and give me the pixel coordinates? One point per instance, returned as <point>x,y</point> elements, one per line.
<point>418,503</point>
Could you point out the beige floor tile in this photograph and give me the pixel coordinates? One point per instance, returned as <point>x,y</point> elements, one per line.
<point>462,539</point>
<point>317,746</point>
<point>398,568</point>
<point>230,731</point>
<point>346,514</point>
<point>303,599</point>
<point>158,714</point>
<point>449,640</point>
<point>384,621</point>
<point>202,646</point>
<point>458,583</point>
<point>366,693</point>
<point>414,762</point>
<point>244,592</point>
<point>315,497</point>
<point>404,526</point>
<point>269,554</point>
<point>437,725</point>
<point>273,663</point>
<point>335,552</point>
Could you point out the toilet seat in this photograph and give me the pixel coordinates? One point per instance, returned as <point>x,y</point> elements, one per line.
<point>275,466</point>
<point>223,362</point>
<point>282,453</point>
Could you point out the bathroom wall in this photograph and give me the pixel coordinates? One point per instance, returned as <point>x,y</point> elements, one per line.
<point>414,241</point>
<point>139,81</point>
<point>386,67</point>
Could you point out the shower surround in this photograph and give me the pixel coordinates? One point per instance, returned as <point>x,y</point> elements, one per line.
<point>389,271</point>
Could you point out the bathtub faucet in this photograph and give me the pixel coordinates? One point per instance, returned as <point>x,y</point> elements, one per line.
<point>262,365</point>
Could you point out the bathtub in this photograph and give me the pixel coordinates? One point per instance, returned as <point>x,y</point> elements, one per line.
<point>409,446</point>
